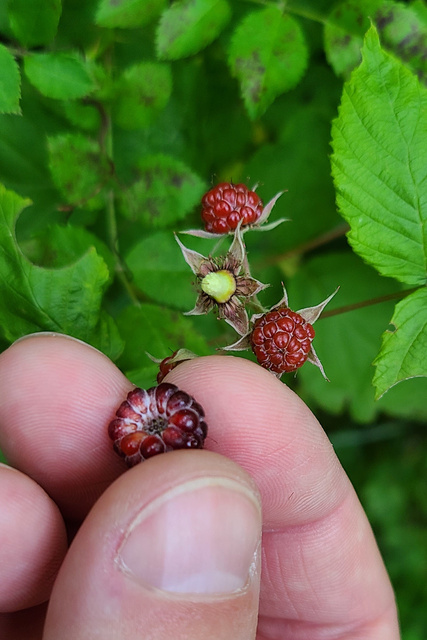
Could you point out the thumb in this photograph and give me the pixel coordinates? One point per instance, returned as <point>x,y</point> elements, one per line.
<point>170,550</point>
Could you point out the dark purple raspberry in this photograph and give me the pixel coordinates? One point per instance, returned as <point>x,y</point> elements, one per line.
<point>281,340</point>
<point>226,204</point>
<point>155,421</point>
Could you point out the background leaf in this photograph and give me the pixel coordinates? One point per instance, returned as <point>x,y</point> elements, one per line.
<point>66,300</point>
<point>68,153</point>
<point>379,164</point>
<point>127,13</point>
<point>23,159</point>
<point>142,91</point>
<point>34,22</point>
<point>63,76</point>
<point>188,26</point>
<point>165,191</point>
<point>59,245</point>
<point>347,343</point>
<point>158,331</point>
<point>10,82</point>
<point>297,160</point>
<point>160,271</point>
<point>402,28</point>
<point>268,55</point>
<point>403,351</point>
<point>344,31</point>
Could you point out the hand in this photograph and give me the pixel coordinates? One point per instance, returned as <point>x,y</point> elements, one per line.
<point>171,548</point>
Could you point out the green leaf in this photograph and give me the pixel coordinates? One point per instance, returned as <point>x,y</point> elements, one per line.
<point>59,245</point>
<point>10,82</point>
<point>85,117</point>
<point>188,26</point>
<point>344,30</point>
<point>23,158</point>
<point>298,162</point>
<point>403,351</point>
<point>127,14</point>
<point>62,76</point>
<point>142,92</point>
<point>106,337</point>
<point>78,168</point>
<point>379,164</point>
<point>161,272</point>
<point>158,331</point>
<point>5,21</point>
<point>66,300</point>
<point>403,31</point>
<point>268,55</point>
<point>165,192</point>
<point>406,400</point>
<point>34,22</point>
<point>346,343</point>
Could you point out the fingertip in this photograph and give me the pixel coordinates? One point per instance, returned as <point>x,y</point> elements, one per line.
<point>58,395</point>
<point>33,541</point>
<point>260,423</point>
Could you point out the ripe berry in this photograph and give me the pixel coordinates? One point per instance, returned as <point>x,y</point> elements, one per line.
<point>226,204</point>
<point>281,340</point>
<point>155,421</point>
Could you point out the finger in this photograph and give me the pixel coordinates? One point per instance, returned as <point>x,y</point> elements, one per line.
<point>33,542</point>
<point>323,576</point>
<point>23,625</point>
<point>57,396</point>
<point>170,550</point>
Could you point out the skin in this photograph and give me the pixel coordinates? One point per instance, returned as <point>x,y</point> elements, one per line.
<point>322,574</point>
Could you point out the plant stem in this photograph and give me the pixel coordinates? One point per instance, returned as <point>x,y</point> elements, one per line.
<point>121,270</point>
<point>305,247</point>
<point>270,3</point>
<point>17,52</point>
<point>106,144</point>
<point>309,15</point>
<point>284,5</point>
<point>397,295</point>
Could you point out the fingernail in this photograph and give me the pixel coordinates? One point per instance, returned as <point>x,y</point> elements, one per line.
<point>53,334</point>
<point>201,537</point>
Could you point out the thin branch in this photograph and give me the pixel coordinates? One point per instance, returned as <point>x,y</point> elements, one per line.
<point>397,295</point>
<point>310,245</point>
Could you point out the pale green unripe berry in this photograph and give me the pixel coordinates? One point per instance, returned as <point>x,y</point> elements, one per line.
<point>219,285</point>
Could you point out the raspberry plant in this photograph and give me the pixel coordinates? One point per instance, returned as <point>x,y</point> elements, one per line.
<point>116,117</point>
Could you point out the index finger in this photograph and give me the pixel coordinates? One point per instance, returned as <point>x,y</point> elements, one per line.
<point>322,576</point>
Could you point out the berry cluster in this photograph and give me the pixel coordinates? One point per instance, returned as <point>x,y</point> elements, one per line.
<point>164,418</point>
<point>157,420</point>
<point>280,338</point>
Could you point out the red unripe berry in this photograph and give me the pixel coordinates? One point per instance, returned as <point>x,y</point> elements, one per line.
<point>226,204</point>
<point>165,366</point>
<point>155,421</point>
<point>172,361</point>
<point>281,340</point>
